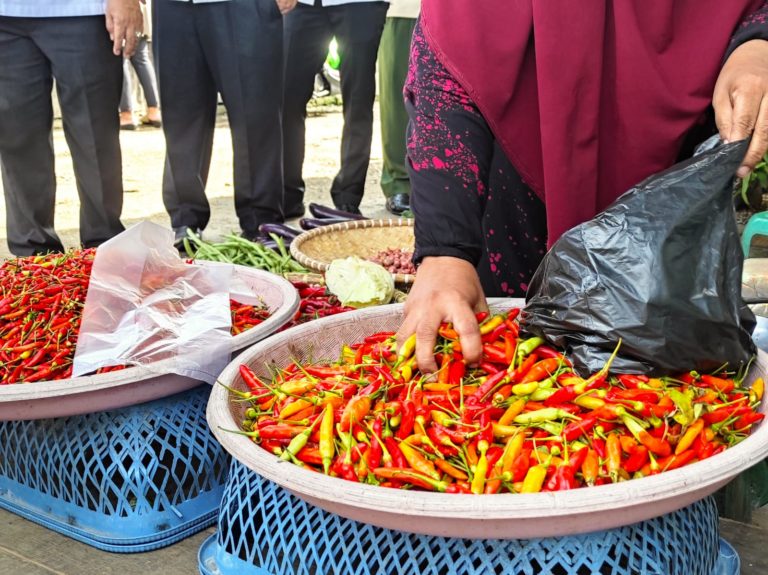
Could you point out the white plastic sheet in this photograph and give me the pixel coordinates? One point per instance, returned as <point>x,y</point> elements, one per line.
<point>146,306</point>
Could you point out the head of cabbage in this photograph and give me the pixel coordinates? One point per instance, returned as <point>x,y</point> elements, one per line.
<point>359,283</point>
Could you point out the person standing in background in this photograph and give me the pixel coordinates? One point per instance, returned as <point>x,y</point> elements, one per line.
<point>80,44</point>
<point>357,26</point>
<point>235,48</point>
<point>394,52</point>
<point>145,71</point>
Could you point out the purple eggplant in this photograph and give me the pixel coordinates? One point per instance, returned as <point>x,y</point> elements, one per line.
<point>323,212</point>
<point>312,223</point>
<point>286,232</point>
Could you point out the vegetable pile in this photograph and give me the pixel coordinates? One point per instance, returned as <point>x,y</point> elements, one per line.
<point>272,257</point>
<point>395,260</point>
<point>316,302</point>
<point>41,305</point>
<point>522,421</point>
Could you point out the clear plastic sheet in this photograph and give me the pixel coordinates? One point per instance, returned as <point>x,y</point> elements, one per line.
<point>146,306</point>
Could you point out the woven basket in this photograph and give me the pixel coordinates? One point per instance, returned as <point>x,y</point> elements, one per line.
<point>499,516</point>
<point>316,249</point>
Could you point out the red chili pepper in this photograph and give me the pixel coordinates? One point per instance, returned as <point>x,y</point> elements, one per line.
<point>637,459</point>
<point>576,429</point>
<point>407,420</point>
<point>494,354</point>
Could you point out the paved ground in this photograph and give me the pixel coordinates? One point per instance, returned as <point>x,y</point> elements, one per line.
<point>143,156</point>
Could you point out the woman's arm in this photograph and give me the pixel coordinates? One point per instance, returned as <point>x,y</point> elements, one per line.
<point>449,154</point>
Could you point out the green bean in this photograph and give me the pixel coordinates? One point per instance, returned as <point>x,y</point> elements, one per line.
<point>238,250</point>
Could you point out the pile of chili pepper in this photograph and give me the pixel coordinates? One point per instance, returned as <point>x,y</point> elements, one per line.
<point>41,304</point>
<point>522,421</point>
<point>245,316</point>
<point>316,302</point>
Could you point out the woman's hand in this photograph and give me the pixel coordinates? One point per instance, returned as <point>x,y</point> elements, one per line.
<point>741,101</point>
<point>446,289</point>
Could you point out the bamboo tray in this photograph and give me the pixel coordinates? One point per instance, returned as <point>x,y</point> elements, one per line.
<point>316,249</point>
<point>500,516</point>
<point>134,385</point>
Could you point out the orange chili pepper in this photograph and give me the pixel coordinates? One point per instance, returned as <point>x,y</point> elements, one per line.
<point>515,409</point>
<point>590,468</point>
<point>450,470</point>
<point>354,412</point>
<point>613,452</point>
<point>418,462</point>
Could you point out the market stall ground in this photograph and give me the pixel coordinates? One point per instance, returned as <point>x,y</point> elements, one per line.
<point>30,549</point>
<point>143,157</point>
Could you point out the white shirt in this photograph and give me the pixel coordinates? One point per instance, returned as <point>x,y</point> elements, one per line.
<point>336,2</point>
<point>404,9</point>
<point>51,8</point>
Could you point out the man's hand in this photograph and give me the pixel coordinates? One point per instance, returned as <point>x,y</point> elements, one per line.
<point>285,6</point>
<point>741,101</point>
<point>124,24</point>
<point>446,289</point>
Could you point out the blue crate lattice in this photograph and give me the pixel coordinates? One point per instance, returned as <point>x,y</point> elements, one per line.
<point>264,530</point>
<point>126,480</point>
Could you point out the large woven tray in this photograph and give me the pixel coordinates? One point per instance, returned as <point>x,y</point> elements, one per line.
<point>134,385</point>
<point>316,249</point>
<point>500,516</point>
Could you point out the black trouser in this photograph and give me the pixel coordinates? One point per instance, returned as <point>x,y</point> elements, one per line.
<point>76,52</point>
<point>234,48</point>
<point>308,31</point>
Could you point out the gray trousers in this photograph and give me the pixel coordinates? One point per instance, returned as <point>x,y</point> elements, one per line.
<point>77,53</point>
<point>233,48</point>
<point>145,71</point>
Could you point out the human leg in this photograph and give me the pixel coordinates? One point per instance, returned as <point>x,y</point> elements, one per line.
<point>189,97</point>
<point>243,41</point>
<point>357,28</point>
<point>306,36</point>
<point>26,145</point>
<point>89,82</point>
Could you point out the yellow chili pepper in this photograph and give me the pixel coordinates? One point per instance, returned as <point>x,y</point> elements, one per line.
<point>687,439</point>
<point>757,390</point>
<point>326,444</point>
<point>534,479</point>
<point>294,408</point>
<point>504,430</point>
<point>407,349</point>
<point>525,388</point>
<point>481,469</point>
<point>589,402</point>
<point>490,324</point>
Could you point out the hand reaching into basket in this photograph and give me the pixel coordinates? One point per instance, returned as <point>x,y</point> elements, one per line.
<point>446,289</point>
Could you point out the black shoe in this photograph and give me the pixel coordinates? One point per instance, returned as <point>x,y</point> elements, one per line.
<point>398,204</point>
<point>349,208</point>
<point>180,233</point>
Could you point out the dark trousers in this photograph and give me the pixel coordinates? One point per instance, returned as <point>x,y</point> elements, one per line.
<point>308,31</point>
<point>233,48</point>
<point>76,52</point>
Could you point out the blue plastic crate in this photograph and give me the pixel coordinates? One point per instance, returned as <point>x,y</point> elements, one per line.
<point>264,530</point>
<point>132,479</point>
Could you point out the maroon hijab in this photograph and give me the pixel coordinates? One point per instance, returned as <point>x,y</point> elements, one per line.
<point>605,99</point>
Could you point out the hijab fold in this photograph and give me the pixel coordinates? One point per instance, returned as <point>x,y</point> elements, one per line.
<point>588,97</point>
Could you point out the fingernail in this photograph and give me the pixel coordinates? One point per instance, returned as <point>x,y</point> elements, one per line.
<point>742,172</point>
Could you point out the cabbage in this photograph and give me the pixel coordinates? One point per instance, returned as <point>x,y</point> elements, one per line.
<point>359,283</point>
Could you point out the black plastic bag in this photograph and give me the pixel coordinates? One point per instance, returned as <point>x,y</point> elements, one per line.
<point>659,269</point>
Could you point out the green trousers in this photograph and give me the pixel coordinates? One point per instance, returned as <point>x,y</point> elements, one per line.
<point>394,50</point>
